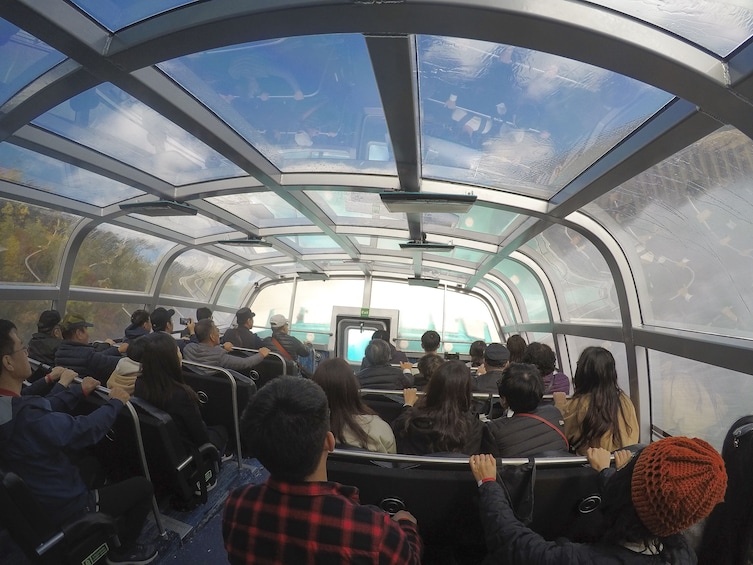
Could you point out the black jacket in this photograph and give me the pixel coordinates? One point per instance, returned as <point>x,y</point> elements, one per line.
<point>384,377</point>
<point>42,347</point>
<point>243,337</point>
<point>86,360</point>
<point>422,438</point>
<point>509,541</point>
<point>487,382</point>
<point>523,435</point>
<point>291,344</point>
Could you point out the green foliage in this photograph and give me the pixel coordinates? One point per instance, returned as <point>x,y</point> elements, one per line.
<point>31,241</point>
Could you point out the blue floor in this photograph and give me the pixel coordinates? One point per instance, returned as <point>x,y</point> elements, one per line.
<point>200,529</point>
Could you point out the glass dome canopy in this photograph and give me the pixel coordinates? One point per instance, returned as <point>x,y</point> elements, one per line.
<point>285,123</point>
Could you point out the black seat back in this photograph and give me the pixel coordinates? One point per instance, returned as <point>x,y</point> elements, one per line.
<point>223,395</point>
<point>728,534</point>
<point>442,493</point>
<point>273,365</point>
<point>388,405</point>
<point>85,540</point>
<point>174,467</point>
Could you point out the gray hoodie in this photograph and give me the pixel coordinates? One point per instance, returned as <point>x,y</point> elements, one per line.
<point>216,356</point>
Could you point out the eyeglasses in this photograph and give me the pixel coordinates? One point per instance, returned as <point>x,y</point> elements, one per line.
<point>25,349</point>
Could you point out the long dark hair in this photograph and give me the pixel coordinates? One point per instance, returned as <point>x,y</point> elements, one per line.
<point>340,385</point>
<point>517,347</point>
<point>447,402</point>
<point>161,371</point>
<point>476,351</point>
<point>596,378</point>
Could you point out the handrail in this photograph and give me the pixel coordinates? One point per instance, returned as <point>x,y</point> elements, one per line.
<point>460,461</point>
<point>476,395</point>
<point>273,353</point>
<point>234,397</point>
<point>142,453</point>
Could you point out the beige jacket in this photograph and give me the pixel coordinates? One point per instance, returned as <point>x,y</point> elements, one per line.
<point>574,412</point>
<point>381,438</point>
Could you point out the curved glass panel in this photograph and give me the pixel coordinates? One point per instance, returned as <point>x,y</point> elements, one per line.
<point>534,303</point>
<point>192,226</point>
<point>306,103</point>
<point>513,118</point>
<point>110,319</point>
<point>24,314</point>
<point>32,240</point>
<point>250,252</point>
<point>356,209</point>
<point>57,177</point>
<point>238,286</point>
<point>479,219</point>
<point>22,59</point>
<point>108,120</point>
<point>459,318</point>
<point>118,258</point>
<point>310,243</point>
<point>694,399</point>
<point>263,209</point>
<point>366,243</point>
<point>576,345</point>
<point>507,310</point>
<point>686,225</point>
<point>272,299</point>
<point>579,274</point>
<point>115,16</point>
<point>313,306</point>
<point>718,25</point>
<point>194,274</point>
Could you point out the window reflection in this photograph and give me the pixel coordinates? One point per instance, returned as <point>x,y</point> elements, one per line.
<point>193,274</point>
<point>686,225</point>
<point>533,308</point>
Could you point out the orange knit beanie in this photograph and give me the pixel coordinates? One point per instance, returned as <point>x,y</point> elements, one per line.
<point>676,482</point>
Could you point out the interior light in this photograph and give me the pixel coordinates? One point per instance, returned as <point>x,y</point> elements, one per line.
<point>312,276</point>
<point>250,241</point>
<point>424,202</point>
<point>158,208</point>
<point>420,281</point>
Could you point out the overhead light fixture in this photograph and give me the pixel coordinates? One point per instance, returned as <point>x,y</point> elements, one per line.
<point>420,281</point>
<point>312,276</point>
<point>427,246</point>
<point>250,241</point>
<point>159,208</point>
<point>423,202</point>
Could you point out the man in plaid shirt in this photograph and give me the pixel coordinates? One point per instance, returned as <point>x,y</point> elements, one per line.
<point>297,517</point>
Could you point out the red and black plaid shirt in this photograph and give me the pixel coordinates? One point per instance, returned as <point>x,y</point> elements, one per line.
<point>313,524</point>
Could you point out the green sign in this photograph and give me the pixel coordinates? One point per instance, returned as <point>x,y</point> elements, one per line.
<point>364,312</point>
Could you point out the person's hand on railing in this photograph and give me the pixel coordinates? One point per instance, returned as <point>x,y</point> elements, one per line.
<point>227,346</point>
<point>622,458</point>
<point>598,457</point>
<point>264,351</point>
<point>117,392</point>
<point>410,395</point>
<point>483,467</point>
<point>560,399</point>
<point>89,384</point>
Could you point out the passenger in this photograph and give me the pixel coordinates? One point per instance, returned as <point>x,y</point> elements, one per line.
<point>427,366</point>
<point>188,333</point>
<point>351,421</point>
<point>532,429</point>
<point>396,358</point>
<point>242,336</point>
<point>599,414</point>
<point>430,341</point>
<point>76,353</point>
<point>161,384</point>
<point>140,325</point>
<point>496,358</point>
<point>162,321</point>
<point>441,421</point>
<point>476,351</point>
<point>284,343</point>
<point>543,357</point>
<point>517,347</point>
<point>128,368</point>
<point>648,501</point>
<point>209,351</point>
<point>44,343</point>
<point>380,374</point>
<point>35,436</point>
<point>296,516</point>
